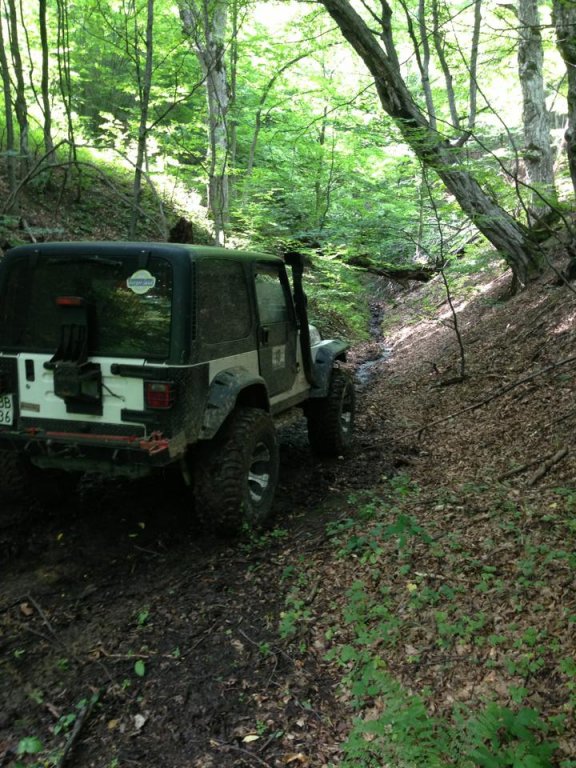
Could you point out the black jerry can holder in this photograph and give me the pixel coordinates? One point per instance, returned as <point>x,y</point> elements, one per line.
<point>76,381</point>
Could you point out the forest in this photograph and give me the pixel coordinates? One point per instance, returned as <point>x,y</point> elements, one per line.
<point>382,139</point>
<point>413,603</point>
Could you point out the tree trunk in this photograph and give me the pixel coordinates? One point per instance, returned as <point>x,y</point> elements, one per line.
<point>10,135</point>
<point>538,146</point>
<point>144,87</point>
<point>65,86</point>
<point>564,17</point>
<point>206,28</point>
<point>502,230</point>
<point>20,105</point>
<point>46,108</point>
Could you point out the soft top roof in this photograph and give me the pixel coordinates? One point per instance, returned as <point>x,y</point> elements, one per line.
<point>120,248</point>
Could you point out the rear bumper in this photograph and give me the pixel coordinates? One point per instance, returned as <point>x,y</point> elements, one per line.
<point>96,452</point>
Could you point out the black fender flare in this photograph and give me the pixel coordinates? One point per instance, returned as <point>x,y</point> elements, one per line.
<point>227,389</point>
<point>325,356</point>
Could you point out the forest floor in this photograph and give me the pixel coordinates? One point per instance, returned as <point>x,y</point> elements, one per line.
<point>442,547</point>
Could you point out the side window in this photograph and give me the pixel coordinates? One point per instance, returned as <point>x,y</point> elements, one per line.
<point>223,303</point>
<point>271,297</point>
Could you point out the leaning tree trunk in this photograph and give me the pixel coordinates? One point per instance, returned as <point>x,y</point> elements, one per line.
<point>537,142</point>
<point>564,16</point>
<point>509,236</point>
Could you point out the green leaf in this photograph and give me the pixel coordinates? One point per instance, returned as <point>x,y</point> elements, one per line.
<point>31,745</point>
<point>140,668</point>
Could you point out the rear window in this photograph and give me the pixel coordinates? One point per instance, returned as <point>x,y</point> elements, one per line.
<point>129,306</point>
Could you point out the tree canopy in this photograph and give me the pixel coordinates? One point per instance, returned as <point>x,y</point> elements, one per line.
<point>385,133</point>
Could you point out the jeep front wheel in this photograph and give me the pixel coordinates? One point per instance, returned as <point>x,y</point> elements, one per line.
<point>331,418</point>
<point>235,478</point>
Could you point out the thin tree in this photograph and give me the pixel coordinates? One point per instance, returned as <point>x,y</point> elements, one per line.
<point>45,82</point>
<point>9,119</point>
<point>20,105</point>
<point>509,236</point>
<point>144,80</point>
<point>205,23</point>
<point>65,86</point>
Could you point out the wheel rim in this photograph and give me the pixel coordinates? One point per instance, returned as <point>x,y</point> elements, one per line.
<point>259,473</point>
<point>346,411</point>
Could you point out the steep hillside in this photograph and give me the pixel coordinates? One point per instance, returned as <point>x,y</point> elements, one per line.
<point>469,552</point>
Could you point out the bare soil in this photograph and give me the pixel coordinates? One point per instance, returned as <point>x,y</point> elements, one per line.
<point>120,575</point>
<point>119,596</point>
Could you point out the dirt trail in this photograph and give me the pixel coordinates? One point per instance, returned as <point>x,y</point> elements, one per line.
<point>117,595</point>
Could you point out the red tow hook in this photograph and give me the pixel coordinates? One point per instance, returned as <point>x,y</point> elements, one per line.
<point>156,443</point>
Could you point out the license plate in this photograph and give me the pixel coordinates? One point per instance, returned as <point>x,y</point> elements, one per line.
<point>6,409</point>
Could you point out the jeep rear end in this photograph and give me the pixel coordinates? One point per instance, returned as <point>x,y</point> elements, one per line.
<point>92,340</point>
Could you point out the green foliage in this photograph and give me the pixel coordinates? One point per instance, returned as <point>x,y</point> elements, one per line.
<point>337,302</point>
<point>30,745</point>
<point>143,616</point>
<point>296,612</point>
<point>397,612</point>
<point>140,668</point>
<point>500,737</point>
<point>311,155</point>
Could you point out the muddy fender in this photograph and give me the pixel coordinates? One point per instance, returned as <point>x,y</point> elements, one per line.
<point>228,388</point>
<point>325,355</point>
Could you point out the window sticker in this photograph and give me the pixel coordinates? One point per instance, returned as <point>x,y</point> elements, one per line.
<point>141,281</point>
<point>278,357</point>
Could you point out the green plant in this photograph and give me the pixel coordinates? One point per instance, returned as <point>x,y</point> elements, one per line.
<point>290,619</point>
<point>143,616</point>
<point>501,737</point>
<point>30,745</point>
<point>140,668</point>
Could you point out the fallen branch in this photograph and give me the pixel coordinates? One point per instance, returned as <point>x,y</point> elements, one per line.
<point>564,416</point>
<point>494,395</point>
<point>246,752</point>
<point>399,274</point>
<point>523,468</point>
<point>78,725</point>
<point>547,465</point>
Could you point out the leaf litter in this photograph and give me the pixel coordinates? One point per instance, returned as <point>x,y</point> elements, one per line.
<point>446,542</point>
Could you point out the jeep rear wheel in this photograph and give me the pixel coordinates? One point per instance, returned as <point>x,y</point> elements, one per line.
<point>235,478</point>
<point>331,418</point>
<point>15,476</point>
<point>21,481</point>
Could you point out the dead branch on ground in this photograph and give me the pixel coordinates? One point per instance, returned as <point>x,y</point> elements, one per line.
<point>494,395</point>
<point>78,726</point>
<point>547,466</point>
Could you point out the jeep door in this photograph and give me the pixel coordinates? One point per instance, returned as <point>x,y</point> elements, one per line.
<point>277,331</point>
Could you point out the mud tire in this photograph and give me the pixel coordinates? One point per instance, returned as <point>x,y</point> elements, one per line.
<point>331,419</point>
<point>236,475</point>
<point>21,481</point>
<point>15,477</point>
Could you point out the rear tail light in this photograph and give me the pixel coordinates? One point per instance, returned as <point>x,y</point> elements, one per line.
<point>159,395</point>
<point>70,301</point>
